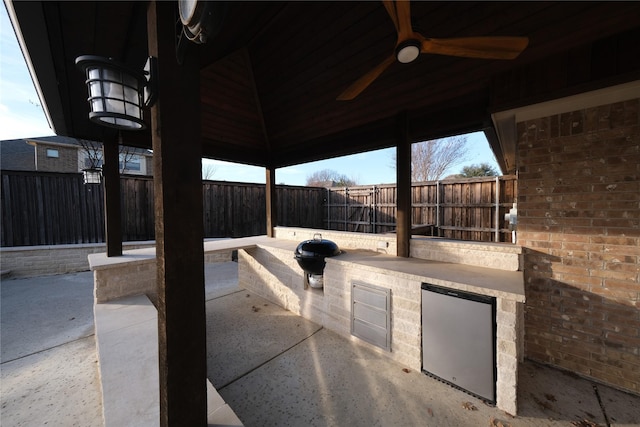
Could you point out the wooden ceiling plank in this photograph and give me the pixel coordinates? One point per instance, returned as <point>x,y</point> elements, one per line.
<point>315,56</point>
<point>242,23</point>
<point>257,101</point>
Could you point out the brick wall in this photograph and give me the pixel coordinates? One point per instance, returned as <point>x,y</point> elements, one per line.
<point>579,224</point>
<point>67,160</point>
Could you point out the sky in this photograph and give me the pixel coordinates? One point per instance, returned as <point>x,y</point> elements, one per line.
<point>21,116</point>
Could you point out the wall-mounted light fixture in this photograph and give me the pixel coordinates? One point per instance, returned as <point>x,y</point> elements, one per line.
<point>92,176</point>
<point>118,93</point>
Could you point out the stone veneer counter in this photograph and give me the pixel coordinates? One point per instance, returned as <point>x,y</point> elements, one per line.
<point>480,280</point>
<point>270,270</point>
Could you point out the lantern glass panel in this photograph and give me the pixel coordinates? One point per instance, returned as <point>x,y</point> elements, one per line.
<point>95,88</point>
<point>131,95</point>
<point>97,105</point>
<point>94,73</point>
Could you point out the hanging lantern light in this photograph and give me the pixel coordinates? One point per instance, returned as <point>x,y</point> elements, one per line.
<point>92,176</point>
<point>116,92</point>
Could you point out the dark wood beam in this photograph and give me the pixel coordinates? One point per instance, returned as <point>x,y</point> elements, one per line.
<point>403,171</point>
<point>112,214</point>
<point>177,153</point>
<point>272,211</point>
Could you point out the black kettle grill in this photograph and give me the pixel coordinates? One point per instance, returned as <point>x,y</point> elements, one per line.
<point>311,254</point>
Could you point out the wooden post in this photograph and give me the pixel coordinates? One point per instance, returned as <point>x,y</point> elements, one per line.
<point>177,154</point>
<point>112,214</point>
<point>403,176</point>
<point>272,211</point>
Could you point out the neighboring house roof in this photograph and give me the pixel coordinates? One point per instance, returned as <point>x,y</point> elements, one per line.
<point>16,154</point>
<point>66,141</point>
<point>53,140</point>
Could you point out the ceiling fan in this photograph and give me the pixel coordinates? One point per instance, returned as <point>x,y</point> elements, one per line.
<point>411,44</point>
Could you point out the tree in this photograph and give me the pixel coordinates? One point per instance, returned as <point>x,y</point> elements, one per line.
<point>208,171</point>
<point>94,158</point>
<point>126,154</point>
<point>483,169</point>
<point>93,151</point>
<point>329,178</point>
<point>431,159</point>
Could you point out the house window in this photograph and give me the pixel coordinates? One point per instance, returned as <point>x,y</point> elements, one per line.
<point>51,152</point>
<point>132,163</point>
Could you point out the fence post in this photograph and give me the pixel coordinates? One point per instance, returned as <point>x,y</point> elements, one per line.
<point>497,215</point>
<point>346,208</point>
<point>374,213</point>
<point>328,210</point>
<point>438,208</point>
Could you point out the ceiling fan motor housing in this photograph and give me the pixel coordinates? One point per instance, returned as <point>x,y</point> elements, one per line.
<point>407,51</point>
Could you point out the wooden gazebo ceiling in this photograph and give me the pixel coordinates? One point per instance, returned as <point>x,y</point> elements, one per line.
<point>271,76</point>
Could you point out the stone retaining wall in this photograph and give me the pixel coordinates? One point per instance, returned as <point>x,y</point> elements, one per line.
<point>382,243</point>
<point>30,261</point>
<point>503,256</point>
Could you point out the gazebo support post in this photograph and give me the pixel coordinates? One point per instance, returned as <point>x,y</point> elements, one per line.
<point>403,177</point>
<point>177,155</point>
<point>272,212</point>
<point>112,214</point>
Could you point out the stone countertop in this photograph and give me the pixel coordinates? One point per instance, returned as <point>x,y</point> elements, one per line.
<point>101,261</point>
<point>480,280</point>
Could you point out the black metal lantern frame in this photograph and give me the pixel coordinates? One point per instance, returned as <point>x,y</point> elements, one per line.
<point>116,92</point>
<point>92,176</point>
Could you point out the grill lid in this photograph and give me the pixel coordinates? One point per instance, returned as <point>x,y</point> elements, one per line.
<point>317,247</point>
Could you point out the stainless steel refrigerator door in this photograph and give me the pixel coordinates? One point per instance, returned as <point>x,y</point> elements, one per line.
<point>458,342</point>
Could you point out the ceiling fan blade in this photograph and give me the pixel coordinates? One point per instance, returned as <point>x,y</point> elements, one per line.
<point>391,10</point>
<point>363,82</point>
<point>403,11</point>
<point>477,47</point>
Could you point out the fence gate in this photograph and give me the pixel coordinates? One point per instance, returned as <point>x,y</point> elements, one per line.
<point>365,209</point>
<point>462,209</point>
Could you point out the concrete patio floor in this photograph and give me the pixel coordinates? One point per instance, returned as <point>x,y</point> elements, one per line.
<point>48,362</point>
<point>272,367</point>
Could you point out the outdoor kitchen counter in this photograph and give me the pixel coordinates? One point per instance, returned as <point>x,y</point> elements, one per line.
<point>271,271</point>
<point>480,280</point>
<point>493,282</point>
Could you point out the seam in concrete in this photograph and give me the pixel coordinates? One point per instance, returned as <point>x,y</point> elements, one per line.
<point>225,295</point>
<point>604,412</point>
<point>269,360</point>
<point>49,348</point>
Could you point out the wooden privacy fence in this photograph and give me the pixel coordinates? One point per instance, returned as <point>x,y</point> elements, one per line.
<point>239,209</point>
<point>40,208</point>
<point>463,209</point>
<point>45,208</point>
